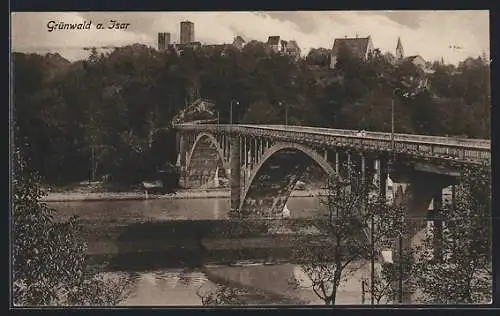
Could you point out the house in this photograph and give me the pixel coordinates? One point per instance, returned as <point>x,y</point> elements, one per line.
<point>192,45</point>
<point>283,46</point>
<point>420,63</point>
<point>292,49</point>
<point>215,46</point>
<point>417,60</point>
<point>358,47</point>
<point>239,42</point>
<point>222,48</point>
<point>274,43</point>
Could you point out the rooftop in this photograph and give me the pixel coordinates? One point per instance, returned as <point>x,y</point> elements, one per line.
<point>357,46</point>
<point>411,58</point>
<point>239,38</point>
<point>273,40</point>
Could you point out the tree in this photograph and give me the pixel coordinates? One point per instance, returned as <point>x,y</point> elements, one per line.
<point>319,57</point>
<point>222,295</point>
<point>342,244</point>
<point>388,276</point>
<point>76,113</point>
<point>48,259</point>
<point>462,273</point>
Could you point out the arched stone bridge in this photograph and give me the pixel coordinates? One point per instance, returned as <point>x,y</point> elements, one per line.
<point>263,163</point>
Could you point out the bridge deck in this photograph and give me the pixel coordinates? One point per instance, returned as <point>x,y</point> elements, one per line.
<point>465,149</point>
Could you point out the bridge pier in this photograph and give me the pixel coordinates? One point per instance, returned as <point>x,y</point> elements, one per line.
<point>363,178</point>
<point>417,193</point>
<point>235,174</point>
<point>437,224</point>
<point>337,162</point>
<point>381,175</point>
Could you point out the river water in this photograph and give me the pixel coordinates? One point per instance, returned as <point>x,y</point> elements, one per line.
<point>179,286</point>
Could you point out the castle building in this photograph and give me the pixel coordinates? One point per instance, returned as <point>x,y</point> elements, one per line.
<point>187,32</point>
<point>163,40</point>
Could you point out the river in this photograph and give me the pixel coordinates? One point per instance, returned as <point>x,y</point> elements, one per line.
<point>166,286</point>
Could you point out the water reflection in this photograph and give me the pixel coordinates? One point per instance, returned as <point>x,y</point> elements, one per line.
<point>163,209</point>
<point>166,287</point>
<point>163,286</point>
<point>175,287</point>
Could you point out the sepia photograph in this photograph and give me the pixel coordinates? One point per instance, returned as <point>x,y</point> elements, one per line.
<point>250,158</point>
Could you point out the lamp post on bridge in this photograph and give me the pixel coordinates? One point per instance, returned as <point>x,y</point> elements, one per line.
<point>286,114</point>
<point>392,122</point>
<point>231,110</point>
<point>400,237</point>
<point>286,111</point>
<point>392,126</point>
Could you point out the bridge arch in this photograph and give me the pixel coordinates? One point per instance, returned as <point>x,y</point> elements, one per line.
<point>213,144</point>
<point>300,150</point>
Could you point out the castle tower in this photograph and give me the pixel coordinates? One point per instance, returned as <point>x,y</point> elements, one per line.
<point>163,40</point>
<point>187,32</point>
<point>399,50</point>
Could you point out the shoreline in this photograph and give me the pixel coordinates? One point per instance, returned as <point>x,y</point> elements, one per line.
<point>181,194</point>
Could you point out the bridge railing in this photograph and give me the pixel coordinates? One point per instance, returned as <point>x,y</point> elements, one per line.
<point>462,149</point>
<point>397,136</point>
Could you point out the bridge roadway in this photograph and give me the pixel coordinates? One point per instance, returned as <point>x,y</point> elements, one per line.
<point>460,150</point>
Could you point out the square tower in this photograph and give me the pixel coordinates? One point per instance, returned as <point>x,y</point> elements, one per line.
<point>163,40</point>
<point>187,32</point>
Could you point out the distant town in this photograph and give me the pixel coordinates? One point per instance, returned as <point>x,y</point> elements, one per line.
<point>361,47</point>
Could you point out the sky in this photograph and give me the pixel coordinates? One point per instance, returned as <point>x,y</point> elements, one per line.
<point>430,34</point>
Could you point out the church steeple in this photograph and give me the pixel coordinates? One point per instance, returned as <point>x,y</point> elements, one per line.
<point>399,50</point>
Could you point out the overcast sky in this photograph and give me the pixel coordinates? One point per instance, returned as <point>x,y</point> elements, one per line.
<point>427,33</point>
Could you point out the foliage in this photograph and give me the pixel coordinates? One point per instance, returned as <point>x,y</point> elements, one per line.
<point>462,274</point>
<point>387,278</point>
<point>117,103</point>
<point>222,295</point>
<point>354,228</point>
<point>49,260</point>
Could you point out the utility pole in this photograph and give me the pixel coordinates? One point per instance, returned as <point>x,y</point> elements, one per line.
<point>400,296</point>
<point>372,259</point>
<point>362,291</point>
<point>231,110</point>
<point>280,103</point>
<point>286,114</point>
<point>400,241</point>
<point>392,126</point>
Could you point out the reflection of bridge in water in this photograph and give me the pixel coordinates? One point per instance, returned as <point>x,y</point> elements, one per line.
<point>264,163</point>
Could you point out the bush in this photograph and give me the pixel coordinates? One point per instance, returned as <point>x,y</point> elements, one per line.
<point>49,261</point>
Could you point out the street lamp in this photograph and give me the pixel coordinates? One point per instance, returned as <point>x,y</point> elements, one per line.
<point>286,114</point>
<point>286,111</point>
<point>392,125</point>
<point>400,241</point>
<point>400,296</point>
<point>372,259</point>
<point>392,120</point>
<point>231,110</point>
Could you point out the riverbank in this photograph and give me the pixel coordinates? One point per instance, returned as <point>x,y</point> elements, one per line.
<point>181,194</point>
